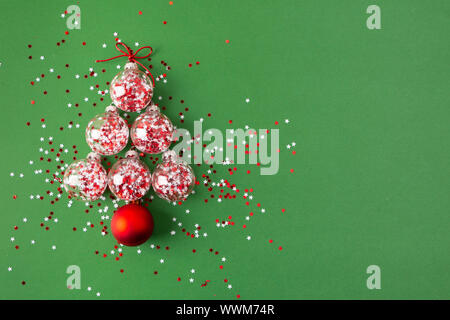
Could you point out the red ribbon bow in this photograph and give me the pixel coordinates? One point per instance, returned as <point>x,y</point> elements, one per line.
<point>132,56</point>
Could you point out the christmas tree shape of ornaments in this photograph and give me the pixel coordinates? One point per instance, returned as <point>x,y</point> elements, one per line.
<point>129,178</point>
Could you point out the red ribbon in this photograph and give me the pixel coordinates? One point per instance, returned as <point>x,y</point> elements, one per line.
<point>132,56</point>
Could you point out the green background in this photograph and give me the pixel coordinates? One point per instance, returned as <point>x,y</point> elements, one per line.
<point>368,111</point>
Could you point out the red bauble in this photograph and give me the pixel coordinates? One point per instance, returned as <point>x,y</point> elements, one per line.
<point>132,225</point>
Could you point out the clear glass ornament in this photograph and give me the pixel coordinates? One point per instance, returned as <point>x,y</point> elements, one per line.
<point>152,131</point>
<point>173,179</point>
<point>131,89</point>
<point>129,178</point>
<point>86,179</point>
<point>107,133</point>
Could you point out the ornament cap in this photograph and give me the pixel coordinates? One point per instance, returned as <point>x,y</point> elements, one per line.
<point>152,107</point>
<point>111,108</point>
<point>94,157</point>
<point>169,156</point>
<point>131,66</point>
<point>131,154</point>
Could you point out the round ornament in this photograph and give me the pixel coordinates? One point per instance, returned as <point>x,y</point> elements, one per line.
<point>131,89</point>
<point>132,224</point>
<point>173,179</point>
<point>107,133</point>
<point>129,178</point>
<point>152,131</point>
<point>85,179</point>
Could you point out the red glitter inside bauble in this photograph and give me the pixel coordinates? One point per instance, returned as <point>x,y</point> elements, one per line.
<point>132,224</point>
<point>173,179</point>
<point>152,131</point>
<point>107,133</point>
<point>129,178</point>
<point>131,89</point>
<point>86,179</point>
